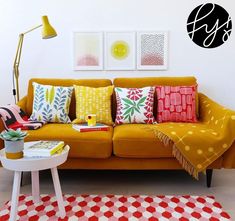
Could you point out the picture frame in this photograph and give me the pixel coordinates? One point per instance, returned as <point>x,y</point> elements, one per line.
<point>120,50</point>
<point>152,50</point>
<point>88,51</point>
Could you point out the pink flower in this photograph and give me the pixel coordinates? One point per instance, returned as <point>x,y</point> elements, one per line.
<point>134,94</point>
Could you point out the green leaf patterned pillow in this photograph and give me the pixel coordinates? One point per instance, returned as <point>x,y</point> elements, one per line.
<point>135,105</point>
<point>51,103</point>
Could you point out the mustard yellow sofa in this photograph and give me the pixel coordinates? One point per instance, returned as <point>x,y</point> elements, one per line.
<point>126,147</point>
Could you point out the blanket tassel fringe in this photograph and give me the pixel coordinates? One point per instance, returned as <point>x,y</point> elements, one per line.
<point>177,154</point>
<point>185,164</point>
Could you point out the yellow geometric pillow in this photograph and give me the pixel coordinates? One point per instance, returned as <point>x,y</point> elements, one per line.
<point>91,100</point>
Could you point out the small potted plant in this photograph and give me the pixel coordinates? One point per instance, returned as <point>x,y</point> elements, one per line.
<point>14,143</point>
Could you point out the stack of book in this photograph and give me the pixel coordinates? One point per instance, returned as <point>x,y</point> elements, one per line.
<point>44,149</point>
<point>86,128</point>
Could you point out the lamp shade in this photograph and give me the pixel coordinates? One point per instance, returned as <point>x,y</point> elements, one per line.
<point>47,30</point>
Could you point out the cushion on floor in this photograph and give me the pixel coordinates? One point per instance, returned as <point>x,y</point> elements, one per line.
<point>136,141</point>
<point>95,144</point>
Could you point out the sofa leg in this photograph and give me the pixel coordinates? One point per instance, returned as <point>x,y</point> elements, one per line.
<point>209,177</point>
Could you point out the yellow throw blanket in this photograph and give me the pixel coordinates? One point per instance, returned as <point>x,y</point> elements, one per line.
<point>197,145</point>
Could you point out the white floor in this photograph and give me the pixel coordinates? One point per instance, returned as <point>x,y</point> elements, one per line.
<point>130,182</point>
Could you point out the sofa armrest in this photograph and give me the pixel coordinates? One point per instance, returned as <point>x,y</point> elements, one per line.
<point>229,158</point>
<point>22,103</point>
<point>209,108</point>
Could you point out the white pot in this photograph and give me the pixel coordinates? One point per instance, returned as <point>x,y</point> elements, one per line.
<point>14,149</point>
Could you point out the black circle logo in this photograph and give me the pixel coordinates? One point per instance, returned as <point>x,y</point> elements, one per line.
<point>209,25</point>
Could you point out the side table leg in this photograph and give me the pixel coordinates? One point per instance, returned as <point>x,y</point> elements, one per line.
<point>15,195</point>
<point>58,191</point>
<point>35,186</point>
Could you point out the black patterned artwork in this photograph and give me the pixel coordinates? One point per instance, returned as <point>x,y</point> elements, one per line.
<point>209,25</point>
<point>152,50</point>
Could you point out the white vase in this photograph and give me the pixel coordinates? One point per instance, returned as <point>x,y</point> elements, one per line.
<point>14,149</point>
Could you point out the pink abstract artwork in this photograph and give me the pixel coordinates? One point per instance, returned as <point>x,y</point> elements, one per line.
<point>88,60</point>
<point>88,50</point>
<point>150,59</point>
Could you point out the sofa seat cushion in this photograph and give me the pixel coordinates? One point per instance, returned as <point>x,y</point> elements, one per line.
<point>95,144</point>
<point>136,141</point>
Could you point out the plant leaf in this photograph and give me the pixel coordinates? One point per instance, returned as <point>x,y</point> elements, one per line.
<point>52,94</point>
<point>141,101</point>
<point>127,111</point>
<point>127,101</point>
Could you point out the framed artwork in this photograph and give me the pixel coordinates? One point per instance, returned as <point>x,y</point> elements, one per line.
<point>152,48</point>
<point>88,51</point>
<point>120,50</point>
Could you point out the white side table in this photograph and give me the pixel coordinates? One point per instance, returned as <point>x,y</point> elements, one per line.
<point>34,165</point>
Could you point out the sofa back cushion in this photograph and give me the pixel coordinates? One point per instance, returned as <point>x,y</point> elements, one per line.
<point>153,81</point>
<point>66,83</point>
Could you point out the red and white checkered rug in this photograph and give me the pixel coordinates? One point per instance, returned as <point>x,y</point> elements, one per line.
<point>119,208</point>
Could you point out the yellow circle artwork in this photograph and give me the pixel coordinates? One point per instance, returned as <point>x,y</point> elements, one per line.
<point>120,50</point>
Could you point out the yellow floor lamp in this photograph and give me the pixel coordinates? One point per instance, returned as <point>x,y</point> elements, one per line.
<point>47,32</point>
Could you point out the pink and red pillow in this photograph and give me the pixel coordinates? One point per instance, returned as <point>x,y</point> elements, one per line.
<point>176,104</point>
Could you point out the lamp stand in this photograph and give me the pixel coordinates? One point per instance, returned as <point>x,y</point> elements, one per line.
<point>16,68</point>
<point>16,90</point>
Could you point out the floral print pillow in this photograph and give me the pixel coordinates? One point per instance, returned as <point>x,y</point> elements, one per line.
<point>51,103</point>
<point>134,105</point>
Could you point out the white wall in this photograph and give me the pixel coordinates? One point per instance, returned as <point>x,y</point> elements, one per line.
<point>214,68</point>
